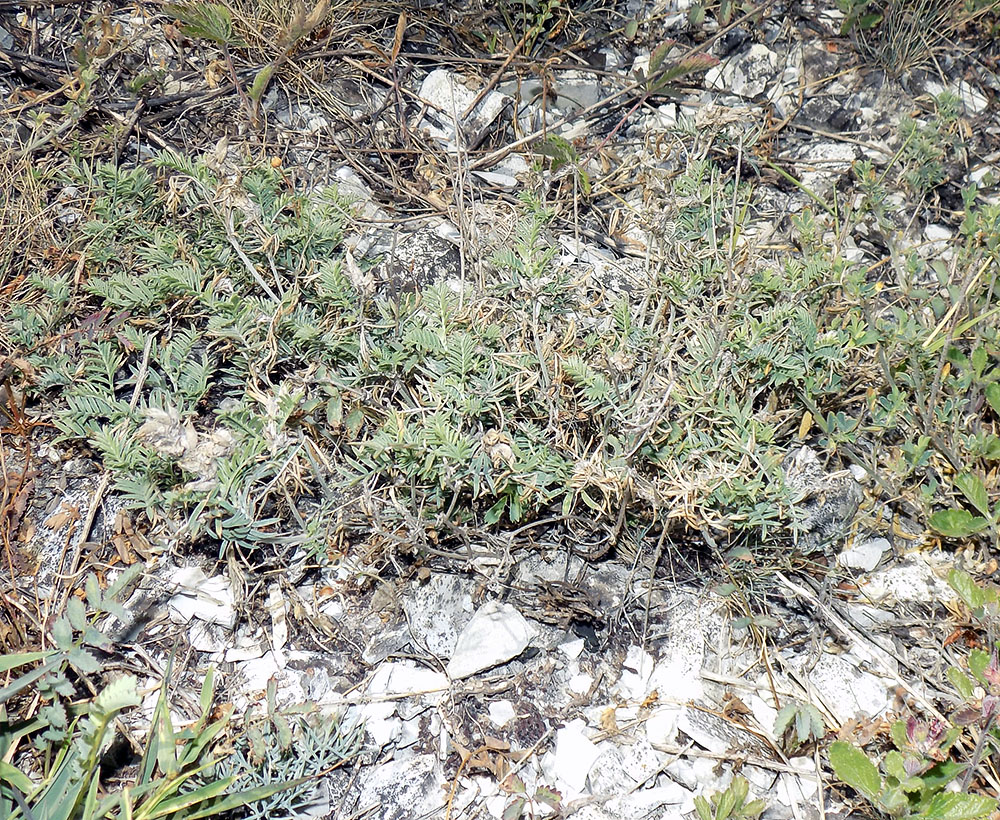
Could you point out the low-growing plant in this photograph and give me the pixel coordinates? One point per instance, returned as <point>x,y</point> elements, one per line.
<point>917,778</point>
<point>914,777</point>
<point>72,736</point>
<point>730,804</point>
<point>798,723</point>
<point>523,803</point>
<point>290,747</point>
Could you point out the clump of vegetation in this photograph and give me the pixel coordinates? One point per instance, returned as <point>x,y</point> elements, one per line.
<point>73,735</point>
<point>918,776</point>
<point>902,35</point>
<point>241,377</point>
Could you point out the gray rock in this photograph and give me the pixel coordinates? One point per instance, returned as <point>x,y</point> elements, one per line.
<point>824,503</point>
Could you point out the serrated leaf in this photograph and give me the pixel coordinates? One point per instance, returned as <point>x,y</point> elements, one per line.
<point>83,660</point>
<point>62,634</point>
<point>549,796</point>
<point>122,581</point>
<point>853,767</point>
<point>979,361</point>
<point>119,694</point>
<point>514,809</point>
<point>94,637</point>
<point>725,803</point>
<point>784,718</point>
<point>803,725</point>
<point>893,765</point>
<point>94,595</point>
<point>76,613</point>
<point>957,523</point>
<point>659,54</point>
<point>702,807</point>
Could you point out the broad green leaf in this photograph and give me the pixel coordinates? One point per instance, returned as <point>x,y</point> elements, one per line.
<point>855,769</point>
<point>958,807</point>
<point>962,683</point>
<point>993,397</point>
<point>967,588</point>
<point>972,488</point>
<point>893,801</point>
<point>978,661</point>
<point>957,523</point>
<point>701,805</point>
<point>979,361</point>
<point>892,765</point>
<point>940,775</point>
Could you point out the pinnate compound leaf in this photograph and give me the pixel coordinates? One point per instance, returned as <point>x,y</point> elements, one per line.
<point>855,769</point>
